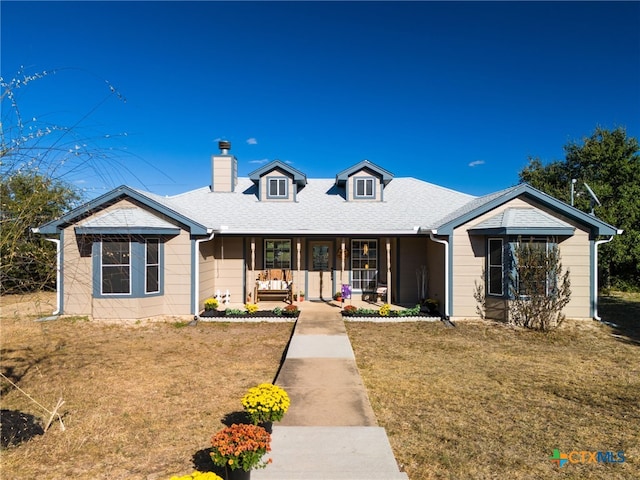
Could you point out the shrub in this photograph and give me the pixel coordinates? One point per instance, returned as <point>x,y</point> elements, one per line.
<point>291,310</point>
<point>349,310</point>
<point>211,304</point>
<point>251,308</point>
<point>277,311</point>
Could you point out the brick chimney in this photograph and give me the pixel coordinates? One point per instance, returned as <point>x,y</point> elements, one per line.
<point>224,169</point>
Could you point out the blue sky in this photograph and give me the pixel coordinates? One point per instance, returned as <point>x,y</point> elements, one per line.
<point>458,94</point>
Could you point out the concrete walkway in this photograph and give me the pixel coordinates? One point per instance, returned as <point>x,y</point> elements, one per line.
<point>330,430</point>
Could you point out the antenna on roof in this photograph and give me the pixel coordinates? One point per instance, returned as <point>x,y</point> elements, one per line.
<point>594,198</point>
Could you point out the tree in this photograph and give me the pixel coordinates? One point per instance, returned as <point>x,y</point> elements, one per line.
<point>609,162</point>
<point>37,161</point>
<point>539,288</point>
<point>28,200</point>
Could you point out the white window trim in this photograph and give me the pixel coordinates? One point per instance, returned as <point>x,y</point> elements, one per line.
<point>280,181</point>
<point>365,181</point>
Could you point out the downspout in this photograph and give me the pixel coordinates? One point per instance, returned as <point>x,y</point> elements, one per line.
<point>446,270</point>
<point>58,274</point>
<point>196,296</point>
<point>595,276</point>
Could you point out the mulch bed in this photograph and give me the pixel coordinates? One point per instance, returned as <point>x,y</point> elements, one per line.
<point>17,427</point>
<point>258,314</point>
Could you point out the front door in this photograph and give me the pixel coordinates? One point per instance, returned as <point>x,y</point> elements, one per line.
<point>320,280</point>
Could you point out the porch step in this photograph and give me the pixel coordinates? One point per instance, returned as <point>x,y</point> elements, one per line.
<point>330,453</point>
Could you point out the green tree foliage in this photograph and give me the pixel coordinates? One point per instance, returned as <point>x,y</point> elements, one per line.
<point>609,163</point>
<point>28,200</point>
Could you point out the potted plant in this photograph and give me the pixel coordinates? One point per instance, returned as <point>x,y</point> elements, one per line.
<point>301,296</point>
<point>198,476</point>
<point>337,296</point>
<point>265,404</point>
<point>239,449</point>
<point>211,304</point>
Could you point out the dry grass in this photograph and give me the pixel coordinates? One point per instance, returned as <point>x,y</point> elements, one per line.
<point>140,400</point>
<point>479,401</point>
<point>487,401</point>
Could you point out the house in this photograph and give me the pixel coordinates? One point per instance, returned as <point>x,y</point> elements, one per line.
<point>135,254</point>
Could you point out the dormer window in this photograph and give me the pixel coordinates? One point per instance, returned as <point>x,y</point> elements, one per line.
<point>365,188</point>
<point>277,187</point>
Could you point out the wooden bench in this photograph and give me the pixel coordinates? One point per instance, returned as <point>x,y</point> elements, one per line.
<point>274,284</point>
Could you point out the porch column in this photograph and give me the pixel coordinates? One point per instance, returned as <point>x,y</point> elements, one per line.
<point>388,270</point>
<point>342,259</point>
<point>254,290</point>
<point>298,258</point>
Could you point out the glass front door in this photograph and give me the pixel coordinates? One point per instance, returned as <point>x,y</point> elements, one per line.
<point>320,271</point>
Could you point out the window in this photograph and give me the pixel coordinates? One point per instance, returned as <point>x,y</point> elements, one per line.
<point>277,187</point>
<point>277,254</point>
<point>364,264</point>
<point>152,270</point>
<point>365,188</point>
<point>495,270</point>
<point>128,266</point>
<point>320,258</point>
<point>532,276</point>
<point>521,267</point>
<point>116,267</point>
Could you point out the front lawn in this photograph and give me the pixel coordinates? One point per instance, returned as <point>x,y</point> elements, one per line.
<point>484,400</point>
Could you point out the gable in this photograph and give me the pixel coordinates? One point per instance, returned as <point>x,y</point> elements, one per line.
<point>364,181</point>
<point>278,181</point>
<point>122,193</point>
<point>527,193</point>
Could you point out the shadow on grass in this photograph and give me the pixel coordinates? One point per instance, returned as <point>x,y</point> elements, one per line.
<point>624,315</point>
<point>203,463</point>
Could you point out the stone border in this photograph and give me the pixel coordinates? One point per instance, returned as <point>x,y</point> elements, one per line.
<point>282,319</point>
<point>347,318</point>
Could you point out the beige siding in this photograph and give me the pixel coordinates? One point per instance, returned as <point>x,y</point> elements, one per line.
<point>435,268</point>
<point>264,188</point>
<point>206,259</point>
<point>352,186</point>
<point>77,274</point>
<point>78,277</point>
<point>412,255</point>
<point>469,255</point>
<point>224,172</point>
<point>228,268</point>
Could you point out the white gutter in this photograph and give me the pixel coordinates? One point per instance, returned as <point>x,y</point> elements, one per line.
<point>321,232</point>
<point>196,297</point>
<point>595,275</point>
<point>446,269</point>
<point>58,272</point>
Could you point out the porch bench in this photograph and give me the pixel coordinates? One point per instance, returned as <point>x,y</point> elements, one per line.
<point>273,286</point>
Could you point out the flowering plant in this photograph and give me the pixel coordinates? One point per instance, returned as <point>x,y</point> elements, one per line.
<point>266,403</point>
<point>251,308</point>
<point>241,446</point>
<point>198,476</point>
<point>384,310</point>
<point>349,310</point>
<point>211,304</point>
<point>291,310</point>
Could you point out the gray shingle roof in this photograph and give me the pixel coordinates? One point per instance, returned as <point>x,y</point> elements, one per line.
<point>522,218</point>
<point>320,208</point>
